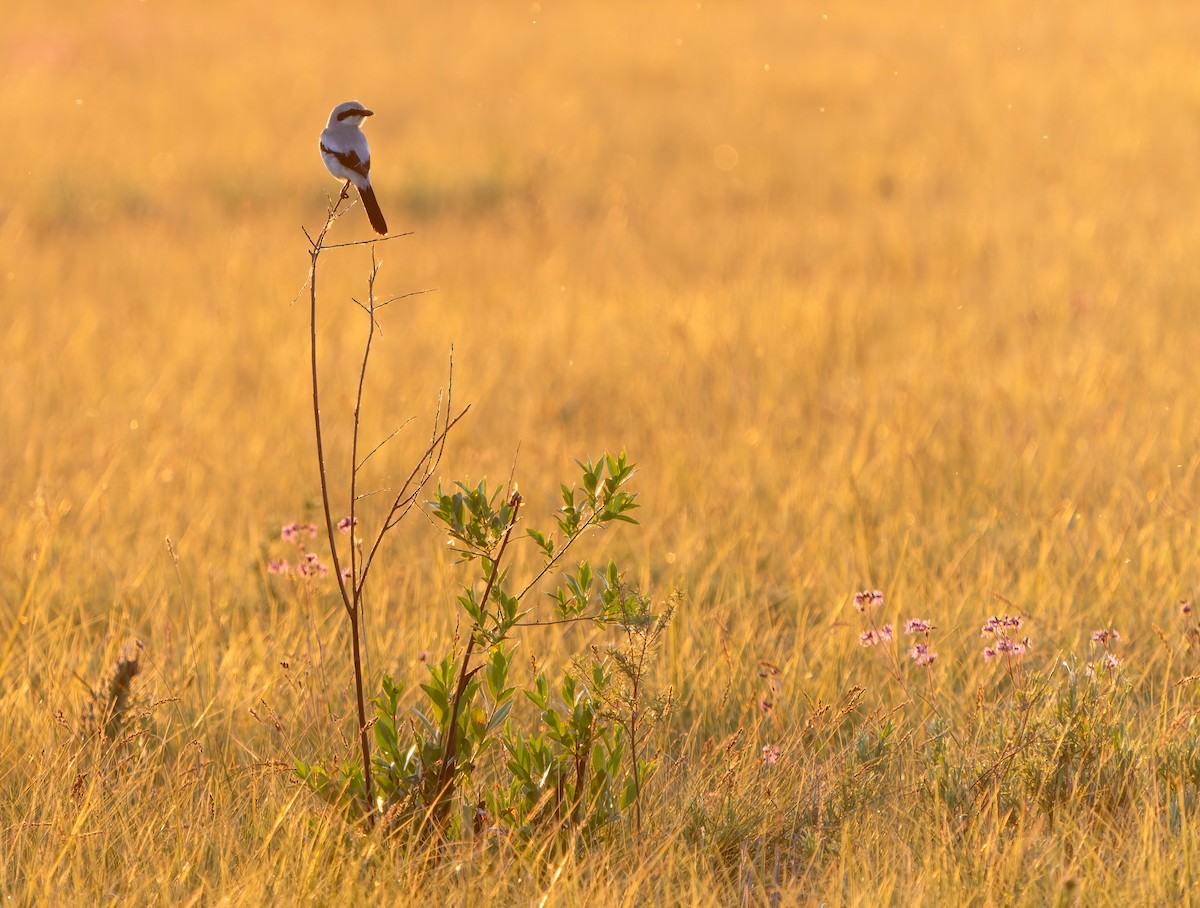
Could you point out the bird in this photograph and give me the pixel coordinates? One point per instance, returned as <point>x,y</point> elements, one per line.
<point>346,155</point>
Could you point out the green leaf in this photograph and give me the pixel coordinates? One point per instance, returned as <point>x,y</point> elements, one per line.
<point>542,542</point>
<point>497,671</point>
<point>433,729</point>
<point>599,766</point>
<point>438,698</point>
<point>628,795</point>
<point>499,716</point>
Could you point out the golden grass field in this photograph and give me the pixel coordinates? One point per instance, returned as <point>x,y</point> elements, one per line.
<point>876,295</point>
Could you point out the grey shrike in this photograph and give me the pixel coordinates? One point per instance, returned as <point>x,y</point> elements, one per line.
<point>345,153</point>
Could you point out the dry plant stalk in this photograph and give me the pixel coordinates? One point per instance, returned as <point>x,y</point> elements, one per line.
<point>110,701</point>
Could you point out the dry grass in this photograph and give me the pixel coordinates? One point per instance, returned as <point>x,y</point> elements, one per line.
<point>935,331</point>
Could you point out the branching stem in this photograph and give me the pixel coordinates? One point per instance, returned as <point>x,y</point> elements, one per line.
<point>350,602</point>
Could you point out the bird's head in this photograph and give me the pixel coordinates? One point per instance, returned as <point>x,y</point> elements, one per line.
<point>349,112</point>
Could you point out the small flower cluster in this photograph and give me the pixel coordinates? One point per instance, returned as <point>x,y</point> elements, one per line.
<point>868,599</point>
<point>1002,630</point>
<point>920,652</point>
<point>874,637</point>
<point>867,602</point>
<point>922,655</point>
<point>1191,627</point>
<point>295,532</point>
<point>1106,637</point>
<point>308,564</point>
<point>1002,624</point>
<point>770,754</point>
<point>1110,662</point>
<point>346,523</point>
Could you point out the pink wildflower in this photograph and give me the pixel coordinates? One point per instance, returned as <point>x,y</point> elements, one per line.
<point>770,754</point>
<point>868,599</point>
<point>346,523</point>
<point>1000,628</point>
<point>278,567</point>
<point>1104,636</point>
<point>1012,647</point>
<point>918,626</point>
<point>921,655</point>
<point>312,565</point>
<point>1001,624</point>
<point>873,637</point>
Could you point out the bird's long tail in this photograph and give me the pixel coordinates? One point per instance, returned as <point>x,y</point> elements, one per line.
<point>367,194</point>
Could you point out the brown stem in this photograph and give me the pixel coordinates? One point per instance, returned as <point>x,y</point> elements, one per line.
<point>356,588</point>
<point>351,605</point>
<point>546,568</point>
<point>583,750</point>
<point>633,741</point>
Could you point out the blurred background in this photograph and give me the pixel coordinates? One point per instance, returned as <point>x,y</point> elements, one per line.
<point>876,295</point>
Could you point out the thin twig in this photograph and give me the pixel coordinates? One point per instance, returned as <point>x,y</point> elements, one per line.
<point>404,296</point>
<point>557,556</point>
<point>371,494</point>
<point>555,621</point>
<point>405,498</point>
<point>390,436</point>
<point>357,588</point>
<point>312,283</point>
<point>370,242</point>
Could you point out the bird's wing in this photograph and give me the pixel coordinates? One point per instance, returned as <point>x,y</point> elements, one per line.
<point>348,158</point>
